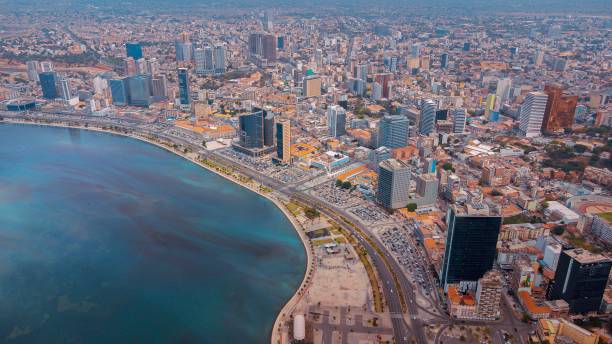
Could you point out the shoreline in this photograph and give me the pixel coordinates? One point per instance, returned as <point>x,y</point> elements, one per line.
<point>290,304</point>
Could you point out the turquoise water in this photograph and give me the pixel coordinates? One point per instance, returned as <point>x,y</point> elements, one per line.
<point>106,239</point>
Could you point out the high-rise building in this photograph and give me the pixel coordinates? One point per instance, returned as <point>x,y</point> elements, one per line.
<point>443,60</point>
<point>129,66</point>
<point>427,118</point>
<point>268,43</point>
<point>268,127</point>
<point>384,80</point>
<point>100,84</point>
<point>580,280</point>
<point>118,90</point>
<point>312,86</point>
<point>318,57</point>
<point>139,90</point>
<point>256,44</point>
<point>142,66</point>
<point>393,131</point>
<point>159,88</point>
<point>336,121</point>
<point>46,66</point>
<point>33,68</point>
<point>427,190</point>
<point>64,89</point>
<point>471,240</point>
<point>267,22</point>
<point>376,156</point>
<point>488,295</point>
<point>48,84</point>
<point>503,89</point>
<point>183,50</point>
<point>204,60</point>
<point>283,141</point>
<point>360,71</point>
<point>532,114</point>
<point>183,83</point>
<point>153,67</point>
<point>219,64</point>
<point>458,120</point>
<point>133,50</point>
<point>251,134</point>
<point>415,50</point>
<point>560,109</point>
<point>256,129</point>
<point>539,58</point>
<point>393,184</point>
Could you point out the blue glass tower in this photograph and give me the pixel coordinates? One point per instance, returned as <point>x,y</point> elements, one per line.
<point>118,91</point>
<point>139,90</point>
<point>252,130</point>
<point>133,50</point>
<point>183,81</point>
<point>48,84</point>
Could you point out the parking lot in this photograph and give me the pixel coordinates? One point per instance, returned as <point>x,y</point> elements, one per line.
<point>411,258</point>
<point>370,213</point>
<point>339,197</point>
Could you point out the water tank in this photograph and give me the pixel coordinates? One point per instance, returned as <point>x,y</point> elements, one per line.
<point>299,327</point>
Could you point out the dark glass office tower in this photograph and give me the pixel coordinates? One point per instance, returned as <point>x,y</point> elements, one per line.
<point>118,91</point>
<point>139,90</point>
<point>183,81</point>
<point>134,50</point>
<point>268,128</point>
<point>251,130</point>
<point>471,240</point>
<point>580,280</point>
<point>48,84</point>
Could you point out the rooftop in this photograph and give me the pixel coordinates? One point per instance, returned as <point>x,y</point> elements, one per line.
<point>586,257</point>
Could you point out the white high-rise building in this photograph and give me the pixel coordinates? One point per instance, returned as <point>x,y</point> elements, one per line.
<point>46,66</point>
<point>153,66</point>
<point>65,89</point>
<point>100,84</point>
<point>458,121</point>
<point>532,114</point>
<point>503,89</point>
<point>33,68</point>
<point>427,118</point>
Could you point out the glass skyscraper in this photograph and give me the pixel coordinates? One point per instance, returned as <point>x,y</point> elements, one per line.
<point>139,90</point>
<point>48,84</point>
<point>393,131</point>
<point>580,279</point>
<point>251,130</point>
<point>118,91</point>
<point>134,50</point>
<point>471,240</point>
<point>183,81</point>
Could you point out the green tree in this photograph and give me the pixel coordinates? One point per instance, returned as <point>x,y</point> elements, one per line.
<point>346,185</point>
<point>558,230</point>
<point>411,207</point>
<point>338,183</point>
<point>448,166</point>
<point>311,213</point>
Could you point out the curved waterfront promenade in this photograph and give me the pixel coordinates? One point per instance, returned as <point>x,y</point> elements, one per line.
<point>289,306</point>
